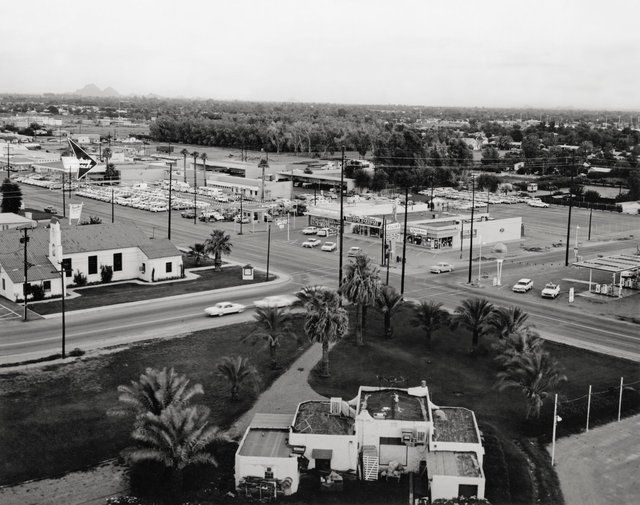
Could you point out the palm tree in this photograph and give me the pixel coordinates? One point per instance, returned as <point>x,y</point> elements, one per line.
<point>360,286</point>
<point>184,153</point>
<point>389,302</point>
<point>198,250</point>
<point>430,316</point>
<point>155,391</point>
<point>515,345</point>
<point>218,243</point>
<point>273,324</point>
<point>106,154</point>
<point>326,321</point>
<point>237,371</point>
<point>535,374</point>
<point>177,437</point>
<point>506,321</point>
<point>473,314</point>
<point>204,157</point>
<point>195,155</point>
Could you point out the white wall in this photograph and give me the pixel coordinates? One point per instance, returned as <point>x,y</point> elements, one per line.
<point>159,265</point>
<point>130,263</point>
<point>251,466</point>
<point>446,486</point>
<point>344,447</point>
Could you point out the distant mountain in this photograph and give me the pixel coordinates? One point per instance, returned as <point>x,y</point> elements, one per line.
<point>93,90</point>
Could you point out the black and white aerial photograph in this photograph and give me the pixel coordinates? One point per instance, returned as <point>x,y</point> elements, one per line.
<point>320,252</point>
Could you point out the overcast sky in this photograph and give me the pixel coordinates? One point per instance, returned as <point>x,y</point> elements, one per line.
<point>580,53</point>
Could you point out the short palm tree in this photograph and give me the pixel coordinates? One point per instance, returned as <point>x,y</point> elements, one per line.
<point>473,314</point>
<point>218,243</point>
<point>389,302</point>
<point>198,250</point>
<point>360,286</point>
<point>325,320</point>
<point>155,391</point>
<point>177,437</point>
<point>430,316</point>
<point>204,157</point>
<point>184,153</point>
<point>238,371</point>
<point>106,154</point>
<point>506,321</point>
<point>515,345</point>
<point>273,324</point>
<point>535,374</point>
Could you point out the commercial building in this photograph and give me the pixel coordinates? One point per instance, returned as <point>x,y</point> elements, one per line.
<point>9,220</point>
<point>383,431</point>
<point>85,249</point>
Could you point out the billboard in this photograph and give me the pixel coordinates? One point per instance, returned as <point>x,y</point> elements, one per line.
<point>85,161</point>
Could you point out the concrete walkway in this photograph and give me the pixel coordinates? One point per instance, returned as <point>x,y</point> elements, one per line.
<point>601,466</point>
<point>286,392</point>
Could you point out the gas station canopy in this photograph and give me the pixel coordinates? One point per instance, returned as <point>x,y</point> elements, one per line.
<point>615,264</point>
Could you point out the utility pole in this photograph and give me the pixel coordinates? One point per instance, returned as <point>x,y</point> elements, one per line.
<point>341,225</point>
<point>8,163</point>
<point>170,208</point>
<point>64,203</point>
<point>64,291</point>
<point>112,204</point>
<point>241,216</point>
<point>268,248</point>
<point>590,216</point>
<point>382,236</point>
<point>473,206</point>
<point>25,286</point>
<point>404,237</point>
<point>431,206</point>
<point>566,256</point>
<point>195,186</point>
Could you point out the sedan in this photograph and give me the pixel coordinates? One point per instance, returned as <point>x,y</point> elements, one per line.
<point>329,246</point>
<point>551,290</point>
<point>244,220</point>
<point>222,308</point>
<point>441,267</point>
<point>354,251</point>
<point>189,214</point>
<point>310,230</point>
<point>522,286</point>
<point>279,301</point>
<point>51,210</point>
<point>312,242</point>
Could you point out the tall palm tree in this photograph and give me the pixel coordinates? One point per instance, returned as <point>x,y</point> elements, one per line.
<point>430,316</point>
<point>325,320</point>
<point>177,438</point>
<point>360,286</point>
<point>389,302</point>
<point>195,155</point>
<point>506,321</point>
<point>106,154</point>
<point>273,324</point>
<point>155,391</point>
<point>473,314</point>
<point>184,153</point>
<point>517,344</point>
<point>535,374</point>
<point>218,243</point>
<point>237,370</point>
<point>204,157</point>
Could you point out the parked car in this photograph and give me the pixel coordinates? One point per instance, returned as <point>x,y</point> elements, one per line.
<point>211,216</point>
<point>312,242</point>
<point>323,232</point>
<point>537,203</point>
<point>329,246</point>
<point>51,209</point>
<point>522,286</point>
<point>245,220</point>
<point>441,267</point>
<point>188,214</point>
<point>551,290</point>
<point>223,308</point>
<point>354,251</point>
<point>310,230</point>
<point>222,198</point>
<point>279,301</point>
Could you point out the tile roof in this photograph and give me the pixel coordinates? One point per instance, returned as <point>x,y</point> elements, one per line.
<point>12,255</point>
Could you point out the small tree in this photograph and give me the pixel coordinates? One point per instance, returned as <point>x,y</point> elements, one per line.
<point>79,279</point>
<point>11,196</point>
<point>389,302</point>
<point>106,273</point>
<point>507,321</point>
<point>273,324</point>
<point>198,250</point>
<point>37,292</point>
<point>218,243</point>
<point>473,314</point>
<point>238,371</point>
<point>430,316</point>
<point>360,286</point>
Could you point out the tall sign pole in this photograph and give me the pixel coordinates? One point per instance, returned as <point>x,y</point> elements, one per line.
<point>566,255</point>
<point>473,206</point>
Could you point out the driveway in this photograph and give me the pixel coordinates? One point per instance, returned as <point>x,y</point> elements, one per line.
<point>601,466</point>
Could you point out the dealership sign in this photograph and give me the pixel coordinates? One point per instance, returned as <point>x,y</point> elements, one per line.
<point>366,220</point>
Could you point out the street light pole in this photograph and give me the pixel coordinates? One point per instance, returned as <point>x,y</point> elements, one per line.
<point>341,225</point>
<point>566,255</point>
<point>590,216</point>
<point>473,206</point>
<point>404,237</point>
<point>25,287</point>
<point>64,326</point>
<point>170,203</point>
<point>112,203</point>
<point>268,248</point>
<point>64,203</point>
<point>241,215</point>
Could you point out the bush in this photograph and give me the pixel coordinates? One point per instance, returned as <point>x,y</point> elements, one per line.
<point>37,292</point>
<point>106,273</point>
<point>79,279</point>
<point>76,352</point>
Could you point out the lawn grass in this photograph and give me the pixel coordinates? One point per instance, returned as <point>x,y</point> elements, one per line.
<point>111,294</point>
<point>54,419</point>
<point>455,377</point>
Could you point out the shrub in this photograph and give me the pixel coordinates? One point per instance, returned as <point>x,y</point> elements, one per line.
<point>106,273</point>
<point>37,292</point>
<point>79,279</point>
<point>76,352</point>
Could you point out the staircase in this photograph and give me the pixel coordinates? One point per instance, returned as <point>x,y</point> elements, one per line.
<point>370,462</point>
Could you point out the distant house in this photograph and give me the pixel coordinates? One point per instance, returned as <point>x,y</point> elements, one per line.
<point>383,432</point>
<point>86,138</point>
<point>85,249</point>
<point>599,170</point>
<point>9,220</point>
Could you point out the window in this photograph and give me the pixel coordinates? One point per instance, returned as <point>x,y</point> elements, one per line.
<point>169,267</point>
<point>117,262</point>
<point>46,285</point>
<point>3,286</point>
<point>268,474</point>
<point>143,268</point>
<point>93,265</point>
<point>66,266</point>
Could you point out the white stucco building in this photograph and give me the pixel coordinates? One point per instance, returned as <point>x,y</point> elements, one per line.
<point>85,249</point>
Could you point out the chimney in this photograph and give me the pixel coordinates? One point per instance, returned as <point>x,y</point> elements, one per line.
<point>55,242</point>
<point>423,384</point>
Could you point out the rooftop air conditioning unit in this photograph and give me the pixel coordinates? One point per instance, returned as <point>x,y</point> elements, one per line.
<point>335,407</point>
<point>408,436</point>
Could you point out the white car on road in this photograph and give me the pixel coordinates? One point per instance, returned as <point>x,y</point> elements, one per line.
<point>323,232</point>
<point>223,308</point>
<point>522,286</point>
<point>354,251</point>
<point>535,202</point>
<point>312,242</point>
<point>275,301</point>
<point>441,267</point>
<point>551,290</point>
<point>329,246</point>
<point>310,230</point>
